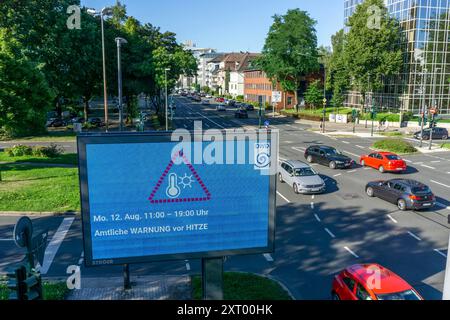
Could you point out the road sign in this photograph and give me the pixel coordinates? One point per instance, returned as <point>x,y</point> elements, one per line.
<point>276,96</point>
<point>147,198</point>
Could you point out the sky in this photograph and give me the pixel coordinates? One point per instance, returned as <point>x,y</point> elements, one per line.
<point>228,25</point>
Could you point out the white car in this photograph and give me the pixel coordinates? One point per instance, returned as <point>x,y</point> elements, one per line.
<point>221,107</point>
<point>302,177</point>
<point>205,102</point>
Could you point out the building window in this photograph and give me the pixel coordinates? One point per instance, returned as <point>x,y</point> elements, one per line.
<point>289,101</point>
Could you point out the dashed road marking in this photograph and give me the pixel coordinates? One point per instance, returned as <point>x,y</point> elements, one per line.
<point>425,166</point>
<point>439,183</point>
<point>284,198</point>
<point>414,236</point>
<point>330,233</point>
<point>300,149</point>
<point>351,171</point>
<point>188,265</point>
<point>312,205</point>
<point>361,147</point>
<point>338,175</point>
<point>268,257</point>
<point>351,252</point>
<point>442,205</point>
<point>317,217</point>
<point>352,154</point>
<point>346,142</point>
<point>408,161</point>
<point>393,220</point>
<point>441,253</point>
<point>55,243</point>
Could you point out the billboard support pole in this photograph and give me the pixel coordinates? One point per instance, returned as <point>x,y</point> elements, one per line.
<point>212,278</point>
<point>126,277</point>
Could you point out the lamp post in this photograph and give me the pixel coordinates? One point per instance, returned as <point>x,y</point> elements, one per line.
<point>119,42</point>
<point>104,12</point>
<point>325,97</point>
<point>167,119</point>
<point>434,107</point>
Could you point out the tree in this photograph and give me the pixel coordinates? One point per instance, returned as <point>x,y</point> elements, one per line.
<point>372,52</point>
<point>24,93</point>
<point>314,94</point>
<point>290,50</point>
<point>338,78</point>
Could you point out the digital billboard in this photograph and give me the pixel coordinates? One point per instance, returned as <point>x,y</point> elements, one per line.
<point>148,198</point>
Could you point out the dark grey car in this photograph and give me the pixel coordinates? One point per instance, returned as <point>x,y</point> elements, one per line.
<point>406,194</point>
<point>438,134</point>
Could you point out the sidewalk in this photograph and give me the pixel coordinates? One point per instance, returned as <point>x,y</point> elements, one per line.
<point>143,288</point>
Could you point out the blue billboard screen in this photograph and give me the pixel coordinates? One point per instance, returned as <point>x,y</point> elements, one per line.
<point>142,201</point>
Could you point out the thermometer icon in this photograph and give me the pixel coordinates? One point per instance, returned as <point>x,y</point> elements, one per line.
<point>173,191</point>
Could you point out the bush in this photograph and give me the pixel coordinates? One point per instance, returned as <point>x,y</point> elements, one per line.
<point>19,151</point>
<point>240,98</point>
<point>51,151</point>
<point>394,145</point>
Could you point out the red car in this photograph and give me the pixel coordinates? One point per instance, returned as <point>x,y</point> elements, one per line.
<point>371,282</point>
<point>221,100</point>
<point>384,162</point>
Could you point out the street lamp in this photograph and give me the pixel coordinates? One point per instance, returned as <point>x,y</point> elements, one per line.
<point>104,12</point>
<point>119,42</point>
<point>167,120</point>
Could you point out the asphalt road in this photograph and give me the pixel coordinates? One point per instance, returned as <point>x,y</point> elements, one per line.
<point>316,236</point>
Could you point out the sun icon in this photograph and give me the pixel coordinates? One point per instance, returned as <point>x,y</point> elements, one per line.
<point>186,181</point>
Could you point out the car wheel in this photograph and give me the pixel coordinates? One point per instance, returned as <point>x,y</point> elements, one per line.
<point>369,192</point>
<point>381,169</point>
<point>363,163</point>
<point>280,178</point>
<point>295,188</point>
<point>401,204</point>
<point>334,296</point>
<point>309,159</point>
<point>332,165</point>
<point>444,137</point>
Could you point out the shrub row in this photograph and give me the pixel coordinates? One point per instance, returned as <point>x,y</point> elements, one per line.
<point>51,151</point>
<point>394,145</point>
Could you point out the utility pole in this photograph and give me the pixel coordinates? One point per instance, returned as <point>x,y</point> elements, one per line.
<point>167,118</point>
<point>120,41</point>
<point>423,107</point>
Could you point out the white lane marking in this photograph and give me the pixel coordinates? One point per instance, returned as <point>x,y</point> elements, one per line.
<point>442,205</point>
<point>414,236</point>
<point>282,159</point>
<point>352,154</point>
<point>351,252</point>
<point>393,220</point>
<point>441,184</point>
<point>285,199</point>
<point>312,197</point>
<point>346,142</point>
<point>207,125</point>
<point>188,266</point>
<point>337,175</point>
<point>425,166</point>
<point>185,126</point>
<point>55,243</point>
<point>80,261</point>
<point>330,233</point>
<point>211,120</point>
<point>436,161</point>
<point>301,149</point>
<point>268,257</point>
<point>351,171</point>
<point>312,205</point>
<point>367,168</point>
<point>408,161</point>
<point>441,253</point>
<point>361,147</point>
<point>317,217</point>
<point>6,240</point>
<point>418,163</point>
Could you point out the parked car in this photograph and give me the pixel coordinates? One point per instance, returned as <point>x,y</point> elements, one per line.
<point>384,162</point>
<point>302,177</point>
<point>96,122</point>
<point>205,102</point>
<point>328,156</point>
<point>438,134</point>
<point>76,120</point>
<point>221,107</point>
<point>220,100</point>
<point>208,96</point>
<point>358,283</point>
<point>230,103</point>
<point>406,194</point>
<point>241,113</point>
<point>56,123</point>
<point>248,106</point>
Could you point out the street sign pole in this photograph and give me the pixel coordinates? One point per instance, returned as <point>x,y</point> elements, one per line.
<point>421,126</point>
<point>212,278</point>
<point>324,114</point>
<point>433,115</point>
<point>373,117</point>
<point>260,101</point>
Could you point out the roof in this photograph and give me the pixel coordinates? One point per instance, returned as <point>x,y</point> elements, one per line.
<point>297,164</point>
<point>239,61</point>
<point>409,182</point>
<point>389,281</point>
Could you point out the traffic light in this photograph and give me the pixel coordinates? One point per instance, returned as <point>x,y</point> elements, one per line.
<point>25,285</point>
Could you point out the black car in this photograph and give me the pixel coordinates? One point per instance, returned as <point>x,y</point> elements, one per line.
<point>328,156</point>
<point>241,113</point>
<point>248,107</point>
<point>406,194</point>
<point>438,133</point>
<point>56,123</point>
<point>96,122</point>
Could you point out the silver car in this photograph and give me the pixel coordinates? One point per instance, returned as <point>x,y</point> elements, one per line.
<point>302,177</point>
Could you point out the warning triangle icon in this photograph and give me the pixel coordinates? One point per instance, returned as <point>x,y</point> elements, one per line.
<point>170,186</point>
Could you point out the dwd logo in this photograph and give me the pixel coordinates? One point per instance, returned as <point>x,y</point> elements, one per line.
<point>262,155</point>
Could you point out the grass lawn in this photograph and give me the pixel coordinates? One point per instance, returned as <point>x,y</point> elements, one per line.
<point>244,286</point>
<point>52,291</point>
<point>67,158</point>
<point>51,136</point>
<point>395,145</point>
<point>37,189</point>
<point>392,134</point>
<point>446,145</point>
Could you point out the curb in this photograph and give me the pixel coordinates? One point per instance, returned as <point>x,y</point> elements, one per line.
<point>38,214</point>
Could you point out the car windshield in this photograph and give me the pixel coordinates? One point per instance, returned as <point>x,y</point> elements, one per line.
<point>332,152</point>
<point>405,295</point>
<point>305,172</point>
<point>393,157</point>
<point>421,190</point>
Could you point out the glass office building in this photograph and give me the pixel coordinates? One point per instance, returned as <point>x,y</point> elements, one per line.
<point>425,79</point>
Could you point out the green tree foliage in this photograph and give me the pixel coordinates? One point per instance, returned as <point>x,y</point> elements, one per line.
<point>372,51</point>
<point>24,94</point>
<point>314,94</point>
<point>290,50</point>
<point>338,79</point>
